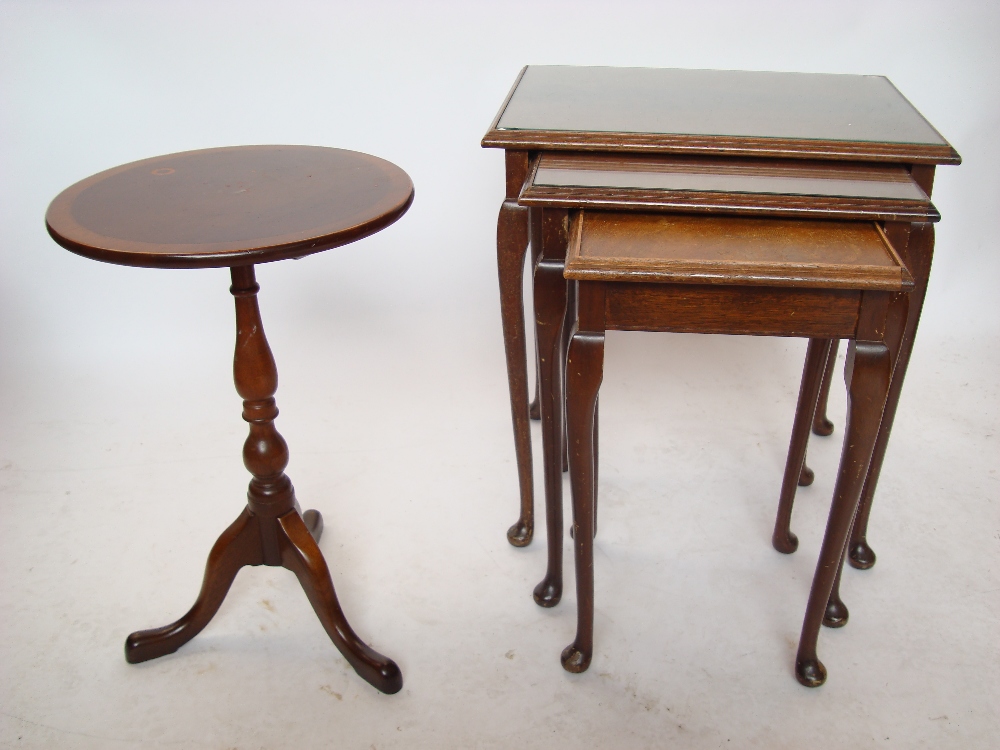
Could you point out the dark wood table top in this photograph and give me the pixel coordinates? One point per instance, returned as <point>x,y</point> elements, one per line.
<point>229,206</point>
<point>715,111</point>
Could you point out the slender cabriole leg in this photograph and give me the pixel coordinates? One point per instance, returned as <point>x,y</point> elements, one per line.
<point>567,331</point>
<point>512,244</point>
<point>868,371</point>
<point>920,252</point>
<point>550,310</point>
<point>239,545</point>
<point>584,372</point>
<point>816,354</point>
<point>597,463</point>
<point>300,555</point>
<point>822,426</point>
<point>535,231</point>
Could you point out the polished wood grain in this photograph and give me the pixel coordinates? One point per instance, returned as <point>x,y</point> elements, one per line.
<point>512,246</point>
<point>689,249</point>
<point>716,308</point>
<point>742,305</point>
<point>770,187</point>
<point>550,302</point>
<point>229,206</point>
<point>232,207</point>
<point>582,163</point>
<point>737,113</point>
<point>822,425</point>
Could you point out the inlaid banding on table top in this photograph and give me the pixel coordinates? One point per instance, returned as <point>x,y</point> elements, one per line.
<point>685,249</point>
<point>229,206</point>
<point>839,190</point>
<point>715,111</point>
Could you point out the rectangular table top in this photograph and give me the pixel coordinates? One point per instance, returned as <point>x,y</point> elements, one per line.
<point>790,187</point>
<point>686,249</point>
<point>715,111</point>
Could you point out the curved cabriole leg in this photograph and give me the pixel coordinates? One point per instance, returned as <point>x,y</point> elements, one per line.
<point>816,353</point>
<point>822,426</point>
<point>512,244</point>
<point>300,555</point>
<point>239,545</point>
<point>569,320</point>
<point>585,370</point>
<point>535,230</point>
<point>868,370</point>
<point>550,310</point>
<point>597,433</point>
<point>919,256</point>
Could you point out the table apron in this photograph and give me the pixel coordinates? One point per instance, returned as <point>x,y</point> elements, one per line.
<point>706,308</point>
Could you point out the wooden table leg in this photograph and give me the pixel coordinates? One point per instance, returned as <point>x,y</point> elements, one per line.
<point>584,373</point>
<point>822,426</point>
<point>920,251</point>
<point>271,530</point>
<point>550,289</point>
<point>535,232</point>
<point>817,354</point>
<point>512,244</point>
<point>868,371</point>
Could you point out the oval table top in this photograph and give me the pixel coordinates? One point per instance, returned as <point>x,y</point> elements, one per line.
<point>229,206</point>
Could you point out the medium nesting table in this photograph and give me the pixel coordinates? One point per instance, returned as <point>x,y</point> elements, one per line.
<point>237,207</point>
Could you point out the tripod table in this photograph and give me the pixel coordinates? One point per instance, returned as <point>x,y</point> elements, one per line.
<point>237,207</point>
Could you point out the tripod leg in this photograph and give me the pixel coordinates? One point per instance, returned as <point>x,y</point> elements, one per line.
<point>239,545</point>
<point>300,555</point>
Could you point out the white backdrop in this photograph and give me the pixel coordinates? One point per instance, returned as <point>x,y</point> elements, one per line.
<point>117,379</point>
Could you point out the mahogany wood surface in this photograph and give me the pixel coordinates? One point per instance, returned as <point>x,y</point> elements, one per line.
<point>653,306</point>
<point>229,206</point>
<point>770,187</point>
<point>733,250</point>
<point>585,163</point>
<point>551,298</point>
<point>512,245</point>
<point>822,425</point>
<point>736,113</point>
<point>233,207</point>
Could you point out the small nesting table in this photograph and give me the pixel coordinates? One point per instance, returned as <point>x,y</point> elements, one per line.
<point>237,207</point>
<point>706,274</point>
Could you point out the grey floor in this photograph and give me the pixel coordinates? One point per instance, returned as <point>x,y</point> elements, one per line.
<point>120,434</point>
<point>111,502</point>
